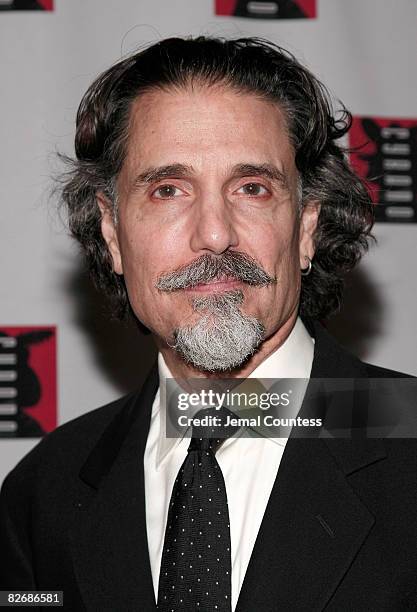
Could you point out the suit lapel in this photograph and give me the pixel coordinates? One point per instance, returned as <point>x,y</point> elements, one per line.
<point>314,524</point>
<point>109,541</point>
<point>311,531</point>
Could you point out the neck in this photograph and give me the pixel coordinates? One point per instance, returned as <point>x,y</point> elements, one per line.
<point>182,370</point>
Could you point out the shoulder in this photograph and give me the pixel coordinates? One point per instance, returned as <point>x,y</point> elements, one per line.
<point>56,462</point>
<point>332,360</point>
<point>375,371</point>
<point>65,449</point>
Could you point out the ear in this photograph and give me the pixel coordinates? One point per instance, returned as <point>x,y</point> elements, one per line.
<point>108,230</point>
<point>308,225</point>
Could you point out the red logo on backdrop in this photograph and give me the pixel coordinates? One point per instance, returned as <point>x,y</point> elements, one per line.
<point>385,157</point>
<point>279,9</point>
<point>26,5</point>
<point>28,400</point>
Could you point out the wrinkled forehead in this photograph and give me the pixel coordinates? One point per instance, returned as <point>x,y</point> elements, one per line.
<point>222,95</point>
<point>206,127</point>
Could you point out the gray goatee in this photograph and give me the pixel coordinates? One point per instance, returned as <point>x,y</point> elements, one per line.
<point>223,338</point>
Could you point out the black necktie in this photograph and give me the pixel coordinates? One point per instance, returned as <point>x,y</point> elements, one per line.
<point>196,561</point>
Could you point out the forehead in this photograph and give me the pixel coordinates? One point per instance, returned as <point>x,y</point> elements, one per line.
<point>206,126</point>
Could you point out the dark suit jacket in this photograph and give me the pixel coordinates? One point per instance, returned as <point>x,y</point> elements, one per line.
<point>339,532</point>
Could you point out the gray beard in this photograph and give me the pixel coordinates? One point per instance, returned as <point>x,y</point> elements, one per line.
<point>224,338</point>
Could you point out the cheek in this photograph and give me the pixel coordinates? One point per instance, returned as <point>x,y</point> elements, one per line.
<point>154,238</point>
<point>276,249</point>
<point>139,258</point>
<point>148,251</point>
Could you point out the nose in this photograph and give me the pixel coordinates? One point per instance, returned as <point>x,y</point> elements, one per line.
<point>213,229</point>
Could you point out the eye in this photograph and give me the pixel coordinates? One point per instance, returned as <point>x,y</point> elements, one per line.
<point>253,189</point>
<point>167,192</point>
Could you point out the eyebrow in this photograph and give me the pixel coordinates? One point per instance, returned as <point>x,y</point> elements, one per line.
<point>263,170</point>
<point>155,174</point>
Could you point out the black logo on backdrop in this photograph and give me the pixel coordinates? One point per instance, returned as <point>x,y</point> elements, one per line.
<point>27,381</point>
<point>278,9</point>
<point>386,159</point>
<point>26,5</point>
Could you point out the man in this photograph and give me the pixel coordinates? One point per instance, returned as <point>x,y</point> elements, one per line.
<point>212,200</point>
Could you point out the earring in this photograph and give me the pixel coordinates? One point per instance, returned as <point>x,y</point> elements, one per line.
<point>306,271</point>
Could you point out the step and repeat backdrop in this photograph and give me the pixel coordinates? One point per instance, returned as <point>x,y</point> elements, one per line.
<point>60,352</point>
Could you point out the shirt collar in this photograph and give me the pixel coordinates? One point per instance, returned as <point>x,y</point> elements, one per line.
<point>293,359</point>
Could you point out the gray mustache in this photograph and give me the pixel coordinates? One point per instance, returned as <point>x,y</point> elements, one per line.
<point>207,268</point>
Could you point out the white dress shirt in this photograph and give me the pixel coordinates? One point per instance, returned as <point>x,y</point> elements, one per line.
<point>249,465</point>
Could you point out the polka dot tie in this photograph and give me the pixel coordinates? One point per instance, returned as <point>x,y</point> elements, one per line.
<point>196,560</point>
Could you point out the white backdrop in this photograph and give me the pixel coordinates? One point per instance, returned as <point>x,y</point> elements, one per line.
<point>364,50</point>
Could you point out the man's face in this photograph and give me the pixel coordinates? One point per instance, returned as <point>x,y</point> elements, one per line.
<point>208,172</point>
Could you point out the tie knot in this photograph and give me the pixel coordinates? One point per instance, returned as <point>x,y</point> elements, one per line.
<point>205,444</point>
<point>211,426</point>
